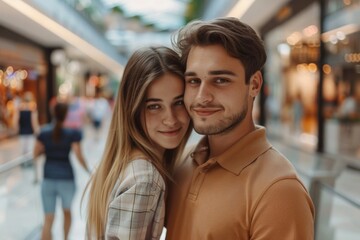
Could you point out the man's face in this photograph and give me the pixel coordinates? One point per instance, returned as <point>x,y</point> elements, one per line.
<point>216,95</point>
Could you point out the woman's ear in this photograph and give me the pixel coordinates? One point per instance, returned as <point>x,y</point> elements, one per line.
<point>256,82</point>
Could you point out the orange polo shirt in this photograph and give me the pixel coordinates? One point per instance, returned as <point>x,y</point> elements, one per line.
<point>250,191</point>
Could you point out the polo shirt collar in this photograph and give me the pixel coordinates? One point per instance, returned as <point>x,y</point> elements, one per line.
<point>239,155</point>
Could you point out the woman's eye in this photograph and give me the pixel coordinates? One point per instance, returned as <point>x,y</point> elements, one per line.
<point>153,107</point>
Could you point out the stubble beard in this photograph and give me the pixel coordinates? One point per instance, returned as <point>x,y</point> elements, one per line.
<point>223,126</point>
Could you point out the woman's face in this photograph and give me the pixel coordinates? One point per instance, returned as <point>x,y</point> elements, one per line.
<point>166,119</point>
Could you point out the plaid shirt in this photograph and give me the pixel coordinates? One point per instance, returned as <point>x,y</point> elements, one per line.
<point>137,204</point>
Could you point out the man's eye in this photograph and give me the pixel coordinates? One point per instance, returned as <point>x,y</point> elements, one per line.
<point>193,81</point>
<point>179,102</point>
<point>221,80</point>
<point>153,106</point>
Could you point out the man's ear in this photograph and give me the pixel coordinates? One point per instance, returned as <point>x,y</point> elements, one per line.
<point>256,82</point>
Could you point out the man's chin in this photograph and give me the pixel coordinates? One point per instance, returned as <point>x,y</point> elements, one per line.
<point>205,130</point>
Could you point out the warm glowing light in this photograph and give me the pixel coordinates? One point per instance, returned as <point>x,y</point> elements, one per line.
<point>294,38</point>
<point>312,67</point>
<point>327,69</point>
<point>310,31</point>
<point>352,57</point>
<point>23,74</point>
<point>9,70</point>
<point>301,68</point>
<point>346,30</point>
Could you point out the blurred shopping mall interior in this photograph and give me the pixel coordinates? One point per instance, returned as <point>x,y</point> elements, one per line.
<point>310,100</point>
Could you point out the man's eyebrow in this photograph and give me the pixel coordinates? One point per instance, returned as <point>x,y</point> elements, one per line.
<point>222,72</point>
<point>190,74</point>
<point>214,72</point>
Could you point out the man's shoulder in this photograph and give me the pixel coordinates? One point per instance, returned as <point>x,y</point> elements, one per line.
<point>273,159</point>
<point>270,167</point>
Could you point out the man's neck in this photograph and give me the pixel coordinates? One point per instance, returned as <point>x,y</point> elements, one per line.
<point>221,142</point>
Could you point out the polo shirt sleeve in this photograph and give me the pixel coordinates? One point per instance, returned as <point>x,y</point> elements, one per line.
<point>137,211</point>
<point>285,211</point>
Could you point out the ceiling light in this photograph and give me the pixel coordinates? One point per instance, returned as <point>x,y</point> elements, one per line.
<point>240,8</point>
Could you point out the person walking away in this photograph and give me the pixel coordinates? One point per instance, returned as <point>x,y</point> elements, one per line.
<point>234,184</point>
<point>98,110</point>
<point>26,123</point>
<point>55,142</point>
<point>147,134</point>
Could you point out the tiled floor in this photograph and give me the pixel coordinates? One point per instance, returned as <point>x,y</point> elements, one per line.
<point>21,213</point>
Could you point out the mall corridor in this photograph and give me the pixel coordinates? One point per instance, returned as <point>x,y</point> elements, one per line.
<point>75,51</point>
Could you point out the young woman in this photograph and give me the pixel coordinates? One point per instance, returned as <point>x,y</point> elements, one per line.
<point>56,141</point>
<point>148,132</point>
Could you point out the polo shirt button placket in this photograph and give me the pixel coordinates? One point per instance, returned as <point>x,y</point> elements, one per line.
<point>198,178</point>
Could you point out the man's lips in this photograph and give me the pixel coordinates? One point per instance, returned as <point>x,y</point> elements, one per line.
<point>205,111</point>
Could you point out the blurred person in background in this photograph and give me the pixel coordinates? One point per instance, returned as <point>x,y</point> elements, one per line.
<point>233,184</point>
<point>350,107</point>
<point>147,134</point>
<point>76,116</point>
<point>298,112</point>
<point>98,109</point>
<point>56,141</point>
<point>26,122</point>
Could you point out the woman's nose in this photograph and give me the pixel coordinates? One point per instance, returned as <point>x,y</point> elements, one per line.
<point>170,118</point>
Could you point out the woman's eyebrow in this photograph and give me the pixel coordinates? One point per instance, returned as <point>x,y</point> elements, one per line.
<point>153,100</point>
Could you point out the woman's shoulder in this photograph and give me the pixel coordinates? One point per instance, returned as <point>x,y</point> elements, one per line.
<point>142,171</point>
<point>139,175</point>
<point>141,167</point>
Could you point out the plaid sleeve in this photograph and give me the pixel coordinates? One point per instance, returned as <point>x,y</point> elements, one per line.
<point>138,207</point>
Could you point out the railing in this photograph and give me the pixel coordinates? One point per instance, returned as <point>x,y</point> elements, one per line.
<point>338,217</point>
<point>94,12</point>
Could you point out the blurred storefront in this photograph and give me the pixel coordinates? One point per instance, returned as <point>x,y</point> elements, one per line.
<point>308,81</point>
<point>23,68</point>
<point>342,79</point>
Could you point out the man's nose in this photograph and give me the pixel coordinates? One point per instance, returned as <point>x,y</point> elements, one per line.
<point>204,94</point>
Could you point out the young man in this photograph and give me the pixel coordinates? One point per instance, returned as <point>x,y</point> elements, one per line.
<point>233,184</point>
